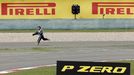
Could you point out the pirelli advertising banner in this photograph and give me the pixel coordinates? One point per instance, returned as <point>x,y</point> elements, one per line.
<point>92,68</point>
<point>61,9</point>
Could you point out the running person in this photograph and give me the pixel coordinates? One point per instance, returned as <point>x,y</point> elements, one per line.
<point>40,33</point>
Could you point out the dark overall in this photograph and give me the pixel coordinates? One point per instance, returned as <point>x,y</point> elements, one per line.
<point>41,36</point>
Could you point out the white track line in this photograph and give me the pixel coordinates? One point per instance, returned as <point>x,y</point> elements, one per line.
<point>26,68</point>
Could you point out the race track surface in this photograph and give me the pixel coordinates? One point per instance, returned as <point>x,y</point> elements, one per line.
<point>75,51</point>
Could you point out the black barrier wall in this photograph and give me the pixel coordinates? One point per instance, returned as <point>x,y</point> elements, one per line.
<point>92,68</point>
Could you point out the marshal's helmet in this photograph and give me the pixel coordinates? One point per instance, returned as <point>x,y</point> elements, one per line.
<point>38,27</point>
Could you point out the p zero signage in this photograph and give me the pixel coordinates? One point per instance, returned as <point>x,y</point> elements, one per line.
<point>92,68</point>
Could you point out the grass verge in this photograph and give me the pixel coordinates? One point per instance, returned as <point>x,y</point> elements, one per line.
<point>33,49</point>
<point>67,30</point>
<point>38,71</point>
<point>52,70</point>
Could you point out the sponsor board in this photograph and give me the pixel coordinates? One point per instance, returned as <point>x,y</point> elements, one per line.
<point>113,8</point>
<point>57,9</point>
<point>28,8</point>
<point>92,68</point>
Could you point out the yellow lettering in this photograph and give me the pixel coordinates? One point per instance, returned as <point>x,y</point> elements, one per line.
<point>119,70</point>
<point>96,69</point>
<point>67,67</point>
<point>83,69</point>
<point>107,69</point>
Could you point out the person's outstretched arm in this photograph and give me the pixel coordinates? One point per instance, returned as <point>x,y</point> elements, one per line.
<point>35,33</point>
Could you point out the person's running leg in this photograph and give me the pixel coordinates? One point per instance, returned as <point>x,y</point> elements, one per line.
<point>39,39</point>
<point>44,38</point>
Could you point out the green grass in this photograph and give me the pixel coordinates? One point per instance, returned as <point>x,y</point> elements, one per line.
<point>33,49</point>
<point>38,71</point>
<point>41,49</point>
<point>132,67</point>
<point>52,70</point>
<point>16,30</point>
<point>67,30</point>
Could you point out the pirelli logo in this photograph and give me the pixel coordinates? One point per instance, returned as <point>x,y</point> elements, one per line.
<point>28,8</point>
<point>113,8</point>
<point>92,68</point>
